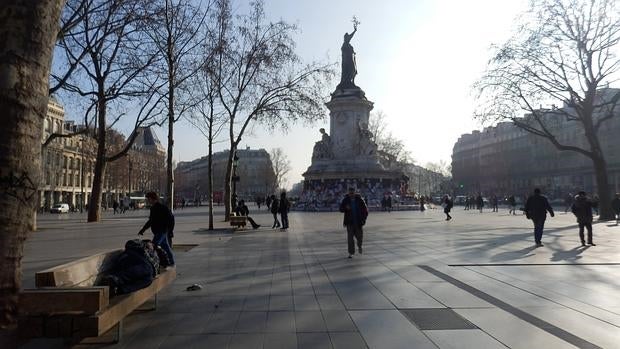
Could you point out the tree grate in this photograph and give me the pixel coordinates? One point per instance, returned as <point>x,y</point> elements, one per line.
<point>437,319</point>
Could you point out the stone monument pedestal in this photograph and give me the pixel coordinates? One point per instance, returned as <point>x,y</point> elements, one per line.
<point>348,156</point>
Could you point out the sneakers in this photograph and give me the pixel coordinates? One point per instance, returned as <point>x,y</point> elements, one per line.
<point>350,256</point>
<point>539,244</point>
<point>583,243</point>
<point>591,244</point>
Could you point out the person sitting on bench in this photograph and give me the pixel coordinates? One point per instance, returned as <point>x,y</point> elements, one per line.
<point>242,210</point>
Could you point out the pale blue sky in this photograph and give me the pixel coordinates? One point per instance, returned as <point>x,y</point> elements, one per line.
<point>416,61</point>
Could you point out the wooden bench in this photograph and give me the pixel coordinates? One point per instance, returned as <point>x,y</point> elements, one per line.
<point>66,302</point>
<point>238,221</point>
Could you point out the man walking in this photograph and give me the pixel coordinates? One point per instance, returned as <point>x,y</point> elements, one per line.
<point>536,209</point>
<point>447,206</point>
<point>355,214</point>
<point>582,209</point>
<point>161,222</point>
<point>512,202</point>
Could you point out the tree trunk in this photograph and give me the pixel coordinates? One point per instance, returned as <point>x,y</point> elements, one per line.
<point>94,204</point>
<point>227,180</point>
<point>170,173</point>
<point>27,31</point>
<point>602,183</point>
<point>210,169</point>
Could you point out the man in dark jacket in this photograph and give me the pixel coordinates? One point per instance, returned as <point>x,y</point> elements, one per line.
<point>355,214</point>
<point>161,224</point>
<point>582,209</point>
<point>447,206</point>
<point>536,208</point>
<point>284,207</point>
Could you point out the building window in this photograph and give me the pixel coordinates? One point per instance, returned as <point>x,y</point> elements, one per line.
<point>64,179</point>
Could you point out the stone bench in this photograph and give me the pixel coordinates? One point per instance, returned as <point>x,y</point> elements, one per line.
<point>66,302</point>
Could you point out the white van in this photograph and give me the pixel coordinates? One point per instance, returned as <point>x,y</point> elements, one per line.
<point>60,208</point>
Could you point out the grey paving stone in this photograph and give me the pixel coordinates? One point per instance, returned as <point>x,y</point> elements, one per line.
<point>256,302</point>
<point>280,341</point>
<point>191,323</point>
<point>386,329</point>
<point>251,322</point>
<point>455,339</point>
<point>347,340</point>
<point>318,340</point>
<point>510,330</point>
<point>246,341</point>
<point>309,321</point>
<point>196,341</point>
<point>338,321</point>
<point>280,321</point>
<point>303,302</point>
<point>450,295</point>
<point>278,302</point>
<point>222,322</point>
<point>329,302</point>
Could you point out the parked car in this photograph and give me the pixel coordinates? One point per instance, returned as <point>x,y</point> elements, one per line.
<point>60,208</point>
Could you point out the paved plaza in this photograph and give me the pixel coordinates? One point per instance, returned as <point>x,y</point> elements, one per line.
<point>474,282</point>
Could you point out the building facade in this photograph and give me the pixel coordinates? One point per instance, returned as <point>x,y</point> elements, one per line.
<point>506,160</point>
<point>254,168</point>
<point>68,163</point>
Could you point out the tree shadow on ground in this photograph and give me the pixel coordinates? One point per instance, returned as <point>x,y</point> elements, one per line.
<point>513,255</point>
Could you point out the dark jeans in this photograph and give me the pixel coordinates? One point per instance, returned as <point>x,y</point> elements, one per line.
<point>539,225</point>
<point>588,226</point>
<point>276,222</point>
<point>357,232</point>
<point>284,216</point>
<point>161,239</point>
<point>254,225</point>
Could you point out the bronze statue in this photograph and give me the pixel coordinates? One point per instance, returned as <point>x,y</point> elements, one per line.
<point>349,67</point>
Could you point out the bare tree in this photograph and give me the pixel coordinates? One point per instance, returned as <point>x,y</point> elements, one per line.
<point>114,73</point>
<point>178,35</point>
<point>208,119</point>
<point>260,77</point>
<point>392,151</point>
<point>281,167</point>
<point>563,52</point>
<point>28,29</point>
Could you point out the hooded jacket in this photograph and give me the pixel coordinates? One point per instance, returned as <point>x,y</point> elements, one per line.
<point>582,209</point>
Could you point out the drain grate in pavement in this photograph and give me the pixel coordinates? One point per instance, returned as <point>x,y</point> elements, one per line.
<point>437,319</point>
<point>183,247</point>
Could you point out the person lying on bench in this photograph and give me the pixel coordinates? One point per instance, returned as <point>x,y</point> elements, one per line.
<point>242,210</point>
<point>135,268</point>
